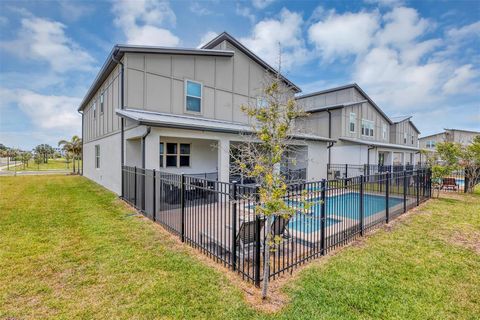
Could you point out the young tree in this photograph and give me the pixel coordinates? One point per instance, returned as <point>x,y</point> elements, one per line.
<point>260,156</point>
<point>38,159</point>
<point>74,147</point>
<point>470,162</point>
<point>443,162</point>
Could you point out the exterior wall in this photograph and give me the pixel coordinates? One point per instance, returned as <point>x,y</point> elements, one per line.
<point>462,137</point>
<point>365,111</point>
<point>440,137</point>
<point>354,154</point>
<point>156,82</point>
<point>108,122</point>
<point>108,175</point>
<point>397,131</point>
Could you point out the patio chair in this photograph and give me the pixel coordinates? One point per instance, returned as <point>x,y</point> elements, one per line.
<point>449,184</point>
<point>245,239</point>
<point>280,229</point>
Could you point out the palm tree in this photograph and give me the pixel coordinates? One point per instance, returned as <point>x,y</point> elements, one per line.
<point>74,146</point>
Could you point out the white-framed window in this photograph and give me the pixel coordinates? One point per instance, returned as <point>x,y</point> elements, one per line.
<point>262,102</point>
<point>384,131</point>
<point>367,128</point>
<point>97,156</point>
<point>94,107</point>
<point>175,155</point>
<point>162,154</point>
<point>353,119</point>
<point>193,96</point>
<point>430,144</point>
<point>101,103</point>
<point>405,137</point>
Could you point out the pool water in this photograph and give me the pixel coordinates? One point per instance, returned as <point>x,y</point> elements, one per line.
<point>344,205</point>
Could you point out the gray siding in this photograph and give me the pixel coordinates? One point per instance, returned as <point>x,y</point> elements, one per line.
<point>398,130</point>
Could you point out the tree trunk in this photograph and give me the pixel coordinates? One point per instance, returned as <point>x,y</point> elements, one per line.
<point>266,261</point>
<point>73,164</point>
<point>8,163</point>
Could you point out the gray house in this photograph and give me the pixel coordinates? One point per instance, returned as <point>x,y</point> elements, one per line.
<point>364,133</point>
<point>178,110</point>
<point>464,137</point>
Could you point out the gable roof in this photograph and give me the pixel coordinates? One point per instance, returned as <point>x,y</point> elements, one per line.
<point>224,36</point>
<point>348,86</point>
<point>119,50</point>
<point>405,118</point>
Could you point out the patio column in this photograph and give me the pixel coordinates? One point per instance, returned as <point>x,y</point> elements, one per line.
<point>390,162</point>
<point>223,163</point>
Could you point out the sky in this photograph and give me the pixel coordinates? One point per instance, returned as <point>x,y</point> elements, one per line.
<point>419,58</point>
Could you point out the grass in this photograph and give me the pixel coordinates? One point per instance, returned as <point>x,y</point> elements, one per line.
<point>69,249</point>
<point>53,164</point>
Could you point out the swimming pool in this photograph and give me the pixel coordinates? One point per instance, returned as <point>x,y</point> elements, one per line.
<point>344,205</point>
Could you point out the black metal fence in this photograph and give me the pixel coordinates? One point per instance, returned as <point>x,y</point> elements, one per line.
<point>220,218</point>
<point>337,171</point>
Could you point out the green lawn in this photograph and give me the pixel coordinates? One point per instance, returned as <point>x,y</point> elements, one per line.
<point>69,249</point>
<point>53,164</point>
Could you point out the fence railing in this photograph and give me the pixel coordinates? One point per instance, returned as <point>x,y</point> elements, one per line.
<point>220,218</point>
<point>337,171</point>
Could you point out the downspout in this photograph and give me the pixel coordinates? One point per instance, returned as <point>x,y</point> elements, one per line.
<point>147,132</point>
<point>82,138</point>
<point>368,157</point>
<point>122,120</point>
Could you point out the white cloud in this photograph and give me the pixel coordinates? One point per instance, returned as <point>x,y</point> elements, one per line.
<point>209,35</point>
<point>345,34</point>
<point>386,3</point>
<point>245,12</point>
<point>462,80</point>
<point>200,10</point>
<point>462,32</point>
<point>45,40</point>
<point>262,4</point>
<point>45,111</point>
<point>268,34</point>
<point>142,22</point>
<point>74,10</point>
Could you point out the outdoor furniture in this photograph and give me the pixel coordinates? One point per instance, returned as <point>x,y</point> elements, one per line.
<point>449,184</point>
<point>280,229</point>
<point>245,239</point>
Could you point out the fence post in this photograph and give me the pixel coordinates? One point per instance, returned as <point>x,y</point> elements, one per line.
<point>346,171</point>
<point>257,242</point>
<point>182,204</point>
<point>234,227</point>
<point>404,191</point>
<point>135,188</point>
<point>322,217</point>
<point>387,196</point>
<point>154,210</point>
<point>465,182</point>
<point>417,187</point>
<point>361,205</point>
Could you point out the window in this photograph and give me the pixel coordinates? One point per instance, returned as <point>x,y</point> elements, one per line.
<point>367,128</point>
<point>97,156</point>
<point>101,103</point>
<point>430,144</point>
<point>177,155</point>
<point>193,96</point>
<point>384,131</point>
<point>405,137</point>
<point>94,107</point>
<point>353,119</point>
<point>162,152</point>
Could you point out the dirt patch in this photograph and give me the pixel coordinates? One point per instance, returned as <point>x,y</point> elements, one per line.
<point>470,240</point>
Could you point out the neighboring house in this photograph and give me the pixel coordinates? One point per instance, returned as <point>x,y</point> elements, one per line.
<point>178,110</point>
<point>364,133</point>
<point>464,137</point>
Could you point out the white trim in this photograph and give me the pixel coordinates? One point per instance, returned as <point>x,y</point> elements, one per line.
<point>354,122</point>
<point>186,95</point>
<point>370,123</point>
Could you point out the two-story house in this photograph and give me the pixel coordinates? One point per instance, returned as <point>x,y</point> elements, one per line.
<point>463,137</point>
<point>364,133</point>
<point>178,110</point>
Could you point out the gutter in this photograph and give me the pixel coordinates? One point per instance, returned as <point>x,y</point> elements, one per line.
<point>122,121</point>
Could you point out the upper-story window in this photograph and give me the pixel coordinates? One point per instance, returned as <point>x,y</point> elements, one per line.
<point>193,96</point>
<point>262,102</point>
<point>353,118</point>
<point>94,107</point>
<point>430,144</point>
<point>405,137</point>
<point>101,103</point>
<point>384,131</point>
<point>367,128</point>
